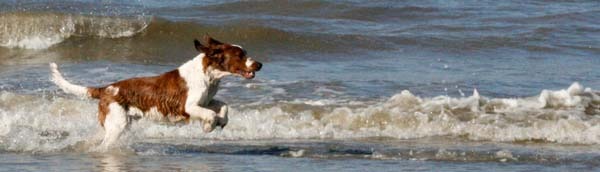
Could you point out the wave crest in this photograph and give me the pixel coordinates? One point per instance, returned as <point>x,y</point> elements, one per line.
<point>42,30</point>
<point>566,116</point>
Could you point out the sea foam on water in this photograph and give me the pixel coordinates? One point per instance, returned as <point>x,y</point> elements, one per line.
<point>568,116</point>
<point>42,30</point>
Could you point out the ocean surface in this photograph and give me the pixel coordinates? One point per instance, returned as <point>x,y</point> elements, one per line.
<point>347,85</point>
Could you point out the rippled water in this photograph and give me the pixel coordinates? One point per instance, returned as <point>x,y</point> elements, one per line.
<point>407,85</point>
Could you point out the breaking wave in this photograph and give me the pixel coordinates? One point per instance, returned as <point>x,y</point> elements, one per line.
<point>568,116</point>
<point>41,30</point>
<point>28,35</point>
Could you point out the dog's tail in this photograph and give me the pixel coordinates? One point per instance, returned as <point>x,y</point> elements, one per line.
<point>78,90</point>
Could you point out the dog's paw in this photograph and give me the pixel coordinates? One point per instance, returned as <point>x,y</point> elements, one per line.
<point>209,124</point>
<point>222,117</point>
<point>222,122</point>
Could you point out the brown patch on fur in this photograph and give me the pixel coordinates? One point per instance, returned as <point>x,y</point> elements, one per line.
<point>103,110</point>
<point>95,92</point>
<point>166,92</point>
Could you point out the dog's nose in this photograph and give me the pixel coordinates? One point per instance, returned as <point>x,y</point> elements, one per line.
<point>258,66</point>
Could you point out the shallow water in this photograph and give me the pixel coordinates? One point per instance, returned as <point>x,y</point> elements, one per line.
<point>272,155</point>
<point>346,85</point>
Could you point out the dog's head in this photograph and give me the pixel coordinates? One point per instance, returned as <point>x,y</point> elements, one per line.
<point>229,58</point>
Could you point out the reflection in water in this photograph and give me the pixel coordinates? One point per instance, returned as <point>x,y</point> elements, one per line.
<point>120,161</point>
<point>113,162</point>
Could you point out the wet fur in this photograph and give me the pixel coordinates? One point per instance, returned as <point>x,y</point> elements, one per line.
<point>180,95</point>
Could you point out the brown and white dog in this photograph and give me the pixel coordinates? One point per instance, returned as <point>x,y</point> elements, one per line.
<point>181,95</point>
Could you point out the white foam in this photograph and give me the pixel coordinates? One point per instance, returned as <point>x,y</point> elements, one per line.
<point>42,30</point>
<point>33,42</point>
<point>407,116</point>
<point>569,116</point>
<point>33,123</point>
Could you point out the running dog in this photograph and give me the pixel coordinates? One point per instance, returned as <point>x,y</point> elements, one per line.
<point>181,95</point>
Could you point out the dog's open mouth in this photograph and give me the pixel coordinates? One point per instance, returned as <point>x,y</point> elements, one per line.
<point>246,74</point>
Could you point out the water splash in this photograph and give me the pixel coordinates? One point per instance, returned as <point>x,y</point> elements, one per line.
<point>568,116</point>
<point>42,30</point>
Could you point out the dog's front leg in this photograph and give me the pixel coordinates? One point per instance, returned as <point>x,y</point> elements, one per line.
<point>196,112</point>
<point>206,115</point>
<point>221,109</point>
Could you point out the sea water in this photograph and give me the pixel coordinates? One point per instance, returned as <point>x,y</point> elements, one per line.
<point>346,85</point>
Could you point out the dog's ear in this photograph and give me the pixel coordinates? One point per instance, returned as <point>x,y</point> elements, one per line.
<point>213,43</point>
<point>199,47</point>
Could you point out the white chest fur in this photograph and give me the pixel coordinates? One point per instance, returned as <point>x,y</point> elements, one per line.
<point>202,86</point>
<point>209,93</point>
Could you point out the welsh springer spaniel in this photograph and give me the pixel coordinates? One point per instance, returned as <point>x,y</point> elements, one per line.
<point>181,95</point>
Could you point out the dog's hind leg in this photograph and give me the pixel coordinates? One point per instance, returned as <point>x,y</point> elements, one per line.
<point>221,109</point>
<point>114,124</point>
